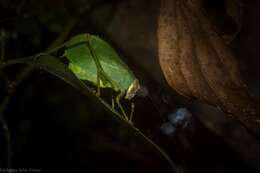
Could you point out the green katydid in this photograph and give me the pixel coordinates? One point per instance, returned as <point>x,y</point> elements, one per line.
<point>94,60</point>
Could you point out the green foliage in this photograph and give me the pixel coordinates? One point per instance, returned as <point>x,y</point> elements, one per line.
<point>80,55</point>
<point>52,65</point>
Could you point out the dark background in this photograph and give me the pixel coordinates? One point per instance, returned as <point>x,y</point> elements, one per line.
<point>55,128</point>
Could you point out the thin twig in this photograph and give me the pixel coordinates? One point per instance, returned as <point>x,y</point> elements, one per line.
<point>61,39</point>
<point>6,133</point>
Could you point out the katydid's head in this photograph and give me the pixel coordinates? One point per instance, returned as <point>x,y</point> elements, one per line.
<point>133,88</point>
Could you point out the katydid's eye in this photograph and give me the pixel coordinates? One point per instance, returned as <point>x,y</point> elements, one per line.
<point>167,128</point>
<point>181,117</point>
<point>142,92</point>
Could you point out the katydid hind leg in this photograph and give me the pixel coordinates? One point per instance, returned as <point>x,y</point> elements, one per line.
<point>100,71</point>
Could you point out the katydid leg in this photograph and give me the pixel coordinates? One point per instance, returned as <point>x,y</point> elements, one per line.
<point>100,72</point>
<point>132,112</point>
<point>113,103</point>
<point>118,97</point>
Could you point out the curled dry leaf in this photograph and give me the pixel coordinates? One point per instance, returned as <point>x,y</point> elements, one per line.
<point>197,63</point>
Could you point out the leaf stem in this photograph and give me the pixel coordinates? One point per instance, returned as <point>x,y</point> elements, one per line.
<point>156,147</point>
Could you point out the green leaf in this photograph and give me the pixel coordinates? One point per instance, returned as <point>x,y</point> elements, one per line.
<point>57,68</point>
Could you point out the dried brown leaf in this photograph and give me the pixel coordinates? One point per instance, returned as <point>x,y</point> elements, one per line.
<point>197,63</point>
